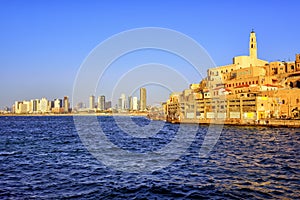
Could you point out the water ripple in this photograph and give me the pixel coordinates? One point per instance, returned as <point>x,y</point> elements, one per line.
<point>43,158</point>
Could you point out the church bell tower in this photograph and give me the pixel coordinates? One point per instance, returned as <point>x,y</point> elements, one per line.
<point>253,45</point>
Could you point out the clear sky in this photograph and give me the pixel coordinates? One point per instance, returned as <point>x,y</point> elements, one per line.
<point>43,43</point>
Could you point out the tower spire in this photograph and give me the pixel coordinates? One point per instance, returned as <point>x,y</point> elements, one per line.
<point>253,45</point>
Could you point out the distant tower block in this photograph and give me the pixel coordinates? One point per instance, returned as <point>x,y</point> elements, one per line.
<point>143,99</point>
<point>92,102</point>
<point>253,45</point>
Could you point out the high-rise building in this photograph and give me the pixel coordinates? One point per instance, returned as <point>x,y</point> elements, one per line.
<point>35,107</point>
<point>143,99</point>
<point>24,107</point>
<point>130,107</point>
<point>58,106</point>
<point>98,103</point>
<point>92,102</point>
<point>119,105</point>
<point>57,103</point>
<point>44,105</point>
<point>101,102</point>
<point>107,105</point>
<point>17,106</point>
<point>122,102</point>
<point>66,104</point>
<point>51,105</point>
<point>134,103</point>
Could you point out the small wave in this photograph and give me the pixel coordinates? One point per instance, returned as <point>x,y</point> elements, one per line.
<point>10,153</point>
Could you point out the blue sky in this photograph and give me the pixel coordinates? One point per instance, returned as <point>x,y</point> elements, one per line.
<point>43,43</point>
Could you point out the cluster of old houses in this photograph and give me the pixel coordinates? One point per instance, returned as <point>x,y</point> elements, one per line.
<point>246,91</point>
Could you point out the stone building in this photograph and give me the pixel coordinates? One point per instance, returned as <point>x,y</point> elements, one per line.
<point>246,91</point>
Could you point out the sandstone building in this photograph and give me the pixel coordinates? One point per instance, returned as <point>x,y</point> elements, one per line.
<point>246,91</point>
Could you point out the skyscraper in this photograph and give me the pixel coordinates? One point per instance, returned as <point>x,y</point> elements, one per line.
<point>134,103</point>
<point>130,107</point>
<point>92,102</point>
<point>107,105</point>
<point>58,103</point>
<point>143,99</point>
<point>122,102</point>
<point>44,105</point>
<point>34,105</point>
<point>66,104</point>
<point>101,102</point>
<point>119,105</point>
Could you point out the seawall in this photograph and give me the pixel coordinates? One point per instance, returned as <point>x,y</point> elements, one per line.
<point>265,122</point>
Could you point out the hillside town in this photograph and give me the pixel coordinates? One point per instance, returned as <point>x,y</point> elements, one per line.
<point>248,91</point>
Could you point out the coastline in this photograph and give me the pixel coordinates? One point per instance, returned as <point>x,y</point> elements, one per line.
<point>289,123</point>
<point>72,114</point>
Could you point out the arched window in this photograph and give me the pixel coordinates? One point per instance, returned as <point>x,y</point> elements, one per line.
<point>252,46</point>
<point>283,101</point>
<point>292,67</point>
<point>297,101</point>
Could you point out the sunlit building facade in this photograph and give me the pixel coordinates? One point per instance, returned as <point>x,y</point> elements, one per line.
<point>247,91</point>
<point>143,99</point>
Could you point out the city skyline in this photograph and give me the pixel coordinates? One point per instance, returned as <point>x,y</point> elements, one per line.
<point>44,43</point>
<point>63,105</point>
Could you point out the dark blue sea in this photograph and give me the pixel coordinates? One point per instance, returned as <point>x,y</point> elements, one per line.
<point>47,158</point>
